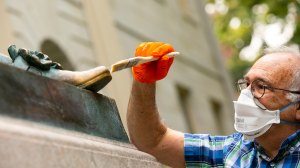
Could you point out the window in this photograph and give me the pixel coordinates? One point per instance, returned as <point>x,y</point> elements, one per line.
<point>162,2</point>
<point>184,96</point>
<point>216,111</point>
<point>189,12</point>
<point>56,54</point>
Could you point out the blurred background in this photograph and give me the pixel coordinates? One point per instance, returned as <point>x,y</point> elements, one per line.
<point>218,41</point>
<point>246,27</point>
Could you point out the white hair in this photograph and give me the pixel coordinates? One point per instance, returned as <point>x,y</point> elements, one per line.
<point>294,50</point>
<point>295,81</point>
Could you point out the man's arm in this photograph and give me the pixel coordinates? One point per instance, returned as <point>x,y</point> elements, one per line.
<point>146,130</point>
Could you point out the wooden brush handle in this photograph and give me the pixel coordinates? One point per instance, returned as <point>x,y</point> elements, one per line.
<point>141,60</point>
<point>131,62</point>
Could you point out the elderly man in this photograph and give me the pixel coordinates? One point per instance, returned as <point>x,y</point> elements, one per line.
<point>267,116</point>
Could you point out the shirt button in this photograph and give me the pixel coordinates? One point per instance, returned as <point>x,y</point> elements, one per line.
<point>272,164</point>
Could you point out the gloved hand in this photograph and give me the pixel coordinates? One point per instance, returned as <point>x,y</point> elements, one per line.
<point>152,71</point>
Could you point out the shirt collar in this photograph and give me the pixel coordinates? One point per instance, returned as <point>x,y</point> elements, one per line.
<point>286,147</point>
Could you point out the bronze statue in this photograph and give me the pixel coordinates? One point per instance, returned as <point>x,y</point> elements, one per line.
<point>36,62</point>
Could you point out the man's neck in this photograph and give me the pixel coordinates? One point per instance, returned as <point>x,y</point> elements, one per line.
<point>271,141</point>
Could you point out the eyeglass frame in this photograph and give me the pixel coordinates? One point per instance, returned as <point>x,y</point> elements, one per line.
<point>264,86</point>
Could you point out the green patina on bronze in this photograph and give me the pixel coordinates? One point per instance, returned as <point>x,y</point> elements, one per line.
<point>34,58</point>
<point>31,97</point>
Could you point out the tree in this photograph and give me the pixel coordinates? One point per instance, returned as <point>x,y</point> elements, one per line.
<point>245,27</point>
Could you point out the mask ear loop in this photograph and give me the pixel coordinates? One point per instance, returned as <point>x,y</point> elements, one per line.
<point>290,105</point>
<point>261,106</point>
<point>287,107</point>
<point>289,122</point>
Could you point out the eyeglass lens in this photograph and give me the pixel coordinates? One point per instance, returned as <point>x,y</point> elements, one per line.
<point>258,88</point>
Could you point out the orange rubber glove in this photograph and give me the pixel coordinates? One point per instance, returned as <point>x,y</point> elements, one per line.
<point>152,71</point>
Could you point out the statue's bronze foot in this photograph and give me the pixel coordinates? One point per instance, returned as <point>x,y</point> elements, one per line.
<point>94,79</point>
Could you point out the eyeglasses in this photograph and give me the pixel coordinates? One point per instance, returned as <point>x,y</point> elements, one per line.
<point>259,88</point>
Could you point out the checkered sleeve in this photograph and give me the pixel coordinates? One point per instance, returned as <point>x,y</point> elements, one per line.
<point>202,150</point>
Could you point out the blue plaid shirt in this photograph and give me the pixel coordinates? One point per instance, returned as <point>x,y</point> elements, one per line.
<point>202,150</point>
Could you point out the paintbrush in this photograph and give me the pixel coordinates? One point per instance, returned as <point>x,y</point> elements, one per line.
<point>131,62</point>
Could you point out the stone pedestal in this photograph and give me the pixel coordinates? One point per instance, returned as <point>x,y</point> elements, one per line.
<point>47,123</point>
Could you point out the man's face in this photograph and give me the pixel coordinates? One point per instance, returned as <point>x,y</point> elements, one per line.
<point>276,70</point>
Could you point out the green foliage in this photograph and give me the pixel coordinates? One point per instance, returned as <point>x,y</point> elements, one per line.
<point>248,12</point>
<point>238,67</point>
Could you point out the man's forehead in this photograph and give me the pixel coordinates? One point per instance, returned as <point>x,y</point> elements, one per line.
<point>257,74</point>
<point>277,61</point>
<point>272,68</point>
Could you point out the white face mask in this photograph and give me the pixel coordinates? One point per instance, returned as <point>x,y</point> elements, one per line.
<point>253,121</point>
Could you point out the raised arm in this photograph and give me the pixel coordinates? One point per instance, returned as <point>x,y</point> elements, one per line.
<point>146,130</point>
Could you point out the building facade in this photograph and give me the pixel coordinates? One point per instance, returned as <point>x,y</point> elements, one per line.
<point>195,97</point>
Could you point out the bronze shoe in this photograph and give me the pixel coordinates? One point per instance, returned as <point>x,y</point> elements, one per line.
<point>94,79</point>
<point>36,62</point>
